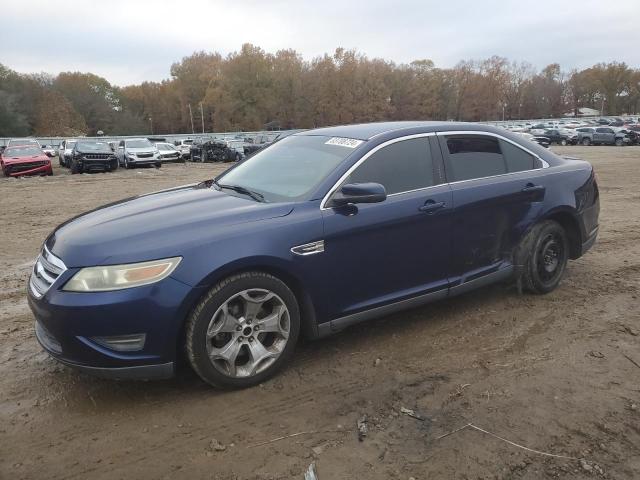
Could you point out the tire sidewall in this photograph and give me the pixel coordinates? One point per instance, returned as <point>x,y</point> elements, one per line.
<point>536,282</point>
<point>200,321</point>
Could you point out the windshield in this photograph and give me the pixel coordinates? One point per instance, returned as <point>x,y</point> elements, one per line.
<point>95,146</point>
<point>70,144</point>
<point>165,146</point>
<point>22,151</point>
<point>23,141</point>
<point>143,143</point>
<point>288,170</point>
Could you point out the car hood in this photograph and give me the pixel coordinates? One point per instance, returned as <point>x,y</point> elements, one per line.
<point>105,151</point>
<point>141,150</point>
<point>13,160</point>
<point>158,225</point>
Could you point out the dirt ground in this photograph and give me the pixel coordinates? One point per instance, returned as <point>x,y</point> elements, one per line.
<point>558,373</point>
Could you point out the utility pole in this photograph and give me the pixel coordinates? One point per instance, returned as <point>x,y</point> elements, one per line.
<point>191,116</point>
<point>151,123</point>
<point>202,117</point>
<point>602,107</point>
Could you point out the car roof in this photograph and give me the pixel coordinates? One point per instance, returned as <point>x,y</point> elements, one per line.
<point>366,131</point>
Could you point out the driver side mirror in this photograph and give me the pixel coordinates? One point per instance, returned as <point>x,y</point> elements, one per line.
<point>353,193</point>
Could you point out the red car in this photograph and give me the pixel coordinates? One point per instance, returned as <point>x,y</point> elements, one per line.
<point>22,160</point>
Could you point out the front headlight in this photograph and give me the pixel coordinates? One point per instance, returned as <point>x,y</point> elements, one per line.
<point>118,277</point>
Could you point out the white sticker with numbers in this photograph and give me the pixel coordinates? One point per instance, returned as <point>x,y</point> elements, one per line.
<point>343,142</point>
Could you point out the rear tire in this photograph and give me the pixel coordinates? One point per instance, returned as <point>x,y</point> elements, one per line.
<point>219,329</point>
<point>543,256</point>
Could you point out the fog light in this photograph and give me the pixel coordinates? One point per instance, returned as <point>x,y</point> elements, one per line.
<point>122,343</point>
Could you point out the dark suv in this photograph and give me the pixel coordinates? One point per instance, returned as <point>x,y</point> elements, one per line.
<point>91,156</point>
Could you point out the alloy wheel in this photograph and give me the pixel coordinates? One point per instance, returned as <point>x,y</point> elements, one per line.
<point>247,333</point>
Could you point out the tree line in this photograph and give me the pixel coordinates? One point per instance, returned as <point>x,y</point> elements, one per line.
<point>254,90</point>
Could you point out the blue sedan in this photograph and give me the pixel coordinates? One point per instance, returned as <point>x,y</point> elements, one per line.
<point>321,230</point>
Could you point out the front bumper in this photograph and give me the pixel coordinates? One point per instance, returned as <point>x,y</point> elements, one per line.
<point>67,324</point>
<point>144,161</point>
<point>14,170</point>
<point>588,243</point>
<point>139,372</point>
<point>172,158</point>
<point>98,164</point>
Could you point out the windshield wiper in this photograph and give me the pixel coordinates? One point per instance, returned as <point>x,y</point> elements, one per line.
<point>258,197</point>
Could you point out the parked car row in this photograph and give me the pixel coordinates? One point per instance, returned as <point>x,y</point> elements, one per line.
<point>589,132</point>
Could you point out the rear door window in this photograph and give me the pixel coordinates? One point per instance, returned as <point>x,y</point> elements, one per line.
<point>478,156</point>
<point>473,156</point>
<point>400,167</point>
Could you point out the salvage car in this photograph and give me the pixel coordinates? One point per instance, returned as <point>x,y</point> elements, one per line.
<point>64,152</point>
<point>601,136</point>
<point>169,152</point>
<point>92,156</point>
<point>135,152</point>
<point>555,136</point>
<point>23,160</point>
<point>324,229</point>
<point>216,151</point>
<point>184,146</point>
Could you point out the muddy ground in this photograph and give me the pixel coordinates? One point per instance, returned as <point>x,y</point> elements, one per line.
<point>558,373</point>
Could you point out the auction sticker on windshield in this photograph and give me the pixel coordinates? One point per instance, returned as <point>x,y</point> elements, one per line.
<point>343,142</point>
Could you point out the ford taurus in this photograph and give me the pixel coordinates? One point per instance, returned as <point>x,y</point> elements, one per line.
<point>321,230</point>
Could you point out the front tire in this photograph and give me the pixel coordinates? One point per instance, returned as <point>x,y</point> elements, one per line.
<point>586,142</point>
<point>563,142</point>
<point>543,257</point>
<point>619,142</point>
<point>243,330</point>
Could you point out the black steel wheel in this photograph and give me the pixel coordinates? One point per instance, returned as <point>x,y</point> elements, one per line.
<point>546,252</point>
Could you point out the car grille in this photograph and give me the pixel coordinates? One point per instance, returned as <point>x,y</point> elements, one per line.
<point>46,271</point>
<point>144,155</point>
<point>97,156</point>
<point>21,167</point>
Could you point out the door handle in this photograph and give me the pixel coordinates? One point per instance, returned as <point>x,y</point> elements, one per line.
<point>530,188</point>
<point>430,206</point>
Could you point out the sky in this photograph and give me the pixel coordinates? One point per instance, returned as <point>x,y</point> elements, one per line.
<point>128,42</point>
